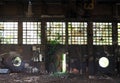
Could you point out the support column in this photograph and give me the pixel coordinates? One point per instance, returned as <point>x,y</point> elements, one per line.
<point>43,38</point>
<point>114,35</point>
<point>66,45</point>
<point>43,46</point>
<point>20,37</point>
<point>91,59</point>
<point>20,29</point>
<point>115,47</point>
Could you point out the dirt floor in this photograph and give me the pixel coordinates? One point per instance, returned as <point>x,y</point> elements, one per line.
<point>53,78</point>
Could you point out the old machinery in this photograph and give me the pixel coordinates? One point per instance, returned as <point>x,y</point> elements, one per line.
<point>12,61</point>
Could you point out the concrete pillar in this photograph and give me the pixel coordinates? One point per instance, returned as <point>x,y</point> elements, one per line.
<point>20,29</point>
<point>43,45</point>
<point>91,59</point>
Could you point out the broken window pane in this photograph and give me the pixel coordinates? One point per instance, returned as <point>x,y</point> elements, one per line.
<point>77,33</point>
<point>55,32</point>
<point>102,33</point>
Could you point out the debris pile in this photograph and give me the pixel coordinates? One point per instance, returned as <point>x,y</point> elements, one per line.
<point>48,78</point>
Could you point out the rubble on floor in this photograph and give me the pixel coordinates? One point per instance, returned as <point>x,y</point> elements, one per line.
<point>51,78</point>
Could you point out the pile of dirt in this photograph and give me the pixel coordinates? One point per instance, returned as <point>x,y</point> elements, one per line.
<point>48,78</point>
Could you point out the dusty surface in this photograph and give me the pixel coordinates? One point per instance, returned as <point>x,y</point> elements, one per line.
<point>28,78</point>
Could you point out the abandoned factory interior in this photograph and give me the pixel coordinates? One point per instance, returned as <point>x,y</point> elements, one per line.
<point>62,41</point>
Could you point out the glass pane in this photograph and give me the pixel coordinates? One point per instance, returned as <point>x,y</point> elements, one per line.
<point>102,33</point>
<point>118,33</point>
<point>77,33</point>
<point>31,30</point>
<point>9,32</point>
<point>56,32</point>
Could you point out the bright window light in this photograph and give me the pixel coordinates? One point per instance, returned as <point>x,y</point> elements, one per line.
<point>9,32</point>
<point>31,32</point>
<point>77,33</point>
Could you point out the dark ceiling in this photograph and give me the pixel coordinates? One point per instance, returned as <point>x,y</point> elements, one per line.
<point>2,2</point>
<point>63,1</point>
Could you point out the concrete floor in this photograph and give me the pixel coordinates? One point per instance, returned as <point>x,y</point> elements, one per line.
<point>30,78</point>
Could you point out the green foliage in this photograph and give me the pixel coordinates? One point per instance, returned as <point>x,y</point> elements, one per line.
<point>56,40</point>
<point>53,46</point>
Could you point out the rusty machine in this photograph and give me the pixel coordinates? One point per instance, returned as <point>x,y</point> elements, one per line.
<point>13,62</point>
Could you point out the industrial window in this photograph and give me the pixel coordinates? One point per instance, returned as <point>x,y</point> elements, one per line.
<point>9,32</point>
<point>118,33</point>
<point>77,33</point>
<point>31,32</point>
<point>55,32</point>
<point>102,33</point>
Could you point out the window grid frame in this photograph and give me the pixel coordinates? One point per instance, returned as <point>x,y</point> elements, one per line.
<point>79,26</point>
<point>56,34</point>
<point>9,29</point>
<point>118,30</point>
<point>31,27</point>
<point>106,29</point>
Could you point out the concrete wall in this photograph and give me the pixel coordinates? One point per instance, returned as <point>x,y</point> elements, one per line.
<point>74,51</point>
